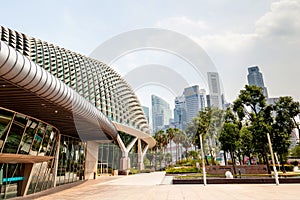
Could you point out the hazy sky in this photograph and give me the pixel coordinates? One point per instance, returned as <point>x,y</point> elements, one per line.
<point>235,34</point>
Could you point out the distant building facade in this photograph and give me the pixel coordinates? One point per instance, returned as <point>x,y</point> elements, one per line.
<point>146,111</point>
<point>215,94</point>
<point>194,101</point>
<point>180,113</point>
<point>161,113</point>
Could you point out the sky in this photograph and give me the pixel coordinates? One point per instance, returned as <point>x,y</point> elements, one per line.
<point>234,34</point>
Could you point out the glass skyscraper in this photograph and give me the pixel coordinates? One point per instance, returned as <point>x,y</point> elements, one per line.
<point>194,101</point>
<point>161,113</point>
<point>180,113</point>
<point>146,111</point>
<point>255,77</point>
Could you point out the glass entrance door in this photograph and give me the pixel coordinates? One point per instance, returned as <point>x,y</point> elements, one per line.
<point>10,180</point>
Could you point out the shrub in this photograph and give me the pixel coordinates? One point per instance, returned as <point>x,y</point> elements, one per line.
<point>182,170</point>
<point>145,171</point>
<point>133,171</point>
<point>288,168</point>
<point>295,163</point>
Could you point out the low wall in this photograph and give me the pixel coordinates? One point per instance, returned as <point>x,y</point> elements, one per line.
<point>236,181</point>
<point>243,169</point>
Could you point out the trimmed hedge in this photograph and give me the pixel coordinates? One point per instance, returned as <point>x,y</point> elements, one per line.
<point>182,170</point>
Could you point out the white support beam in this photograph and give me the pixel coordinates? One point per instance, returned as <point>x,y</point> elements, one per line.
<point>141,154</point>
<point>125,160</point>
<point>121,143</point>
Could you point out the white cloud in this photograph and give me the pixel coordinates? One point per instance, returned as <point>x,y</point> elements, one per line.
<point>273,45</point>
<point>282,21</point>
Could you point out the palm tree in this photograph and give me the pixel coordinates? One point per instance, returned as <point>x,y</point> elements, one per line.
<point>170,132</point>
<point>161,142</point>
<point>179,137</point>
<point>187,143</point>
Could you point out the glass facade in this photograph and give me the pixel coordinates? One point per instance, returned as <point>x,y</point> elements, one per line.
<point>10,178</point>
<point>108,158</point>
<point>21,134</point>
<point>71,160</point>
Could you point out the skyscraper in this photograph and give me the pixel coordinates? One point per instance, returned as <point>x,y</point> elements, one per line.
<point>180,113</point>
<point>194,101</point>
<point>215,94</point>
<point>255,77</point>
<point>161,113</point>
<point>146,111</point>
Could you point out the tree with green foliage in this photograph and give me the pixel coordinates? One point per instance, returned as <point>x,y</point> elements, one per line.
<point>187,143</point>
<point>161,140</point>
<point>193,154</point>
<point>251,106</point>
<point>230,136</point>
<point>208,123</point>
<point>285,111</point>
<point>215,127</point>
<point>199,125</point>
<point>296,151</point>
<point>245,143</point>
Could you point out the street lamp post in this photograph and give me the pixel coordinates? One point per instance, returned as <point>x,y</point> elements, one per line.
<point>273,160</point>
<point>203,163</point>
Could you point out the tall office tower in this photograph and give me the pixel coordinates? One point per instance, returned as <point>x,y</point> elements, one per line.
<point>146,111</point>
<point>215,94</point>
<point>180,113</point>
<point>161,113</point>
<point>255,77</point>
<point>194,100</point>
<point>202,96</point>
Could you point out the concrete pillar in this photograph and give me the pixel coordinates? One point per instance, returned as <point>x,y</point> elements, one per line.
<point>125,160</point>
<point>141,155</point>
<point>56,161</point>
<point>91,160</point>
<point>24,185</point>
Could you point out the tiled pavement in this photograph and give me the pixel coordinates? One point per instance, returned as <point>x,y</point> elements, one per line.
<point>157,186</point>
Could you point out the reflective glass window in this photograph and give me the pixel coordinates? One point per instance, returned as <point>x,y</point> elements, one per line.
<point>38,138</point>
<point>71,160</point>
<point>45,142</point>
<point>28,136</point>
<point>5,119</point>
<point>15,134</point>
<point>11,179</point>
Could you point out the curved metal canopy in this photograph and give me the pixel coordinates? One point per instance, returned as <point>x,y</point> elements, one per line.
<point>26,87</point>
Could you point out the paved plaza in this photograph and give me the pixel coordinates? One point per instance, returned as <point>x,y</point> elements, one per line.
<point>157,186</point>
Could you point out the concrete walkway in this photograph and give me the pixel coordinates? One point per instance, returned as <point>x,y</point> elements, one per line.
<point>156,186</point>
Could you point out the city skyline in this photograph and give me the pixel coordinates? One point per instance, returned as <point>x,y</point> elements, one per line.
<point>235,35</point>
